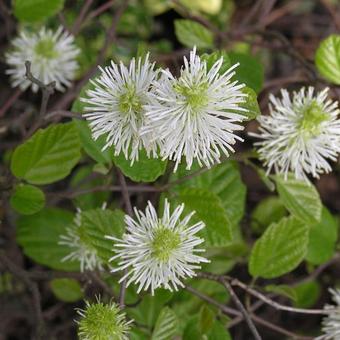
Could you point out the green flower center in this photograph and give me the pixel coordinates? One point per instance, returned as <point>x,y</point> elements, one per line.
<point>195,96</point>
<point>165,241</point>
<point>46,49</point>
<point>102,322</point>
<point>312,117</point>
<point>130,101</point>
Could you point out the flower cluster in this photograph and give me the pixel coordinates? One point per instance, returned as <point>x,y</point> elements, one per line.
<point>158,252</point>
<point>194,116</point>
<point>81,250</point>
<point>102,321</point>
<point>301,133</point>
<point>52,56</point>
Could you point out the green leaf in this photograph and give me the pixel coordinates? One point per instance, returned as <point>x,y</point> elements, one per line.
<point>212,58</point>
<point>268,211</point>
<point>166,325</point>
<point>48,156</point>
<point>96,224</point>
<point>94,148</point>
<point>36,10</point>
<point>251,104</point>
<point>322,239</point>
<point>280,249</point>
<point>327,58</point>
<point>283,290</point>
<point>39,235</point>
<point>191,33</point>
<point>223,179</point>
<point>206,319</point>
<point>27,199</point>
<point>250,71</point>
<point>209,209</point>
<point>148,311</point>
<point>300,198</point>
<point>68,290</point>
<point>144,170</point>
<point>307,294</point>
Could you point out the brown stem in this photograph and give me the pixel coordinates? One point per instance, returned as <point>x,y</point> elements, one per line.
<point>242,309</point>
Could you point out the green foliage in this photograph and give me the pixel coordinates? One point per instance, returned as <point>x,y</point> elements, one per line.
<point>36,10</point>
<point>283,290</point>
<point>204,326</point>
<point>280,249</point>
<point>27,199</point>
<point>250,71</point>
<point>166,325</point>
<point>322,239</point>
<point>39,235</point>
<point>98,223</point>
<point>144,170</point>
<point>209,209</point>
<point>250,104</point>
<point>67,290</point>
<point>191,33</point>
<point>267,211</point>
<point>327,58</point>
<point>48,156</point>
<point>300,198</point>
<point>212,58</point>
<point>307,294</point>
<point>148,311</point>
<point>223,179</point>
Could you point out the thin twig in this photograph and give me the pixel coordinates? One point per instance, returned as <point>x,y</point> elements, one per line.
<point>98,11</point>
<point>10,101</point>
<point>32,286</point>
<point>242,309</point>
<point>80,19</point>
<point>47,91</point>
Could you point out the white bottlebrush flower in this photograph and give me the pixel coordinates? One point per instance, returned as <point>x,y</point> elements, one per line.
<point>197,114</point>
<point>52,56</point>
<point>101,321</point>
<point>301,133</point>
<point>158,252</point>
<point>81,250</point>
<point>331,323</point>
<point>116,106</point>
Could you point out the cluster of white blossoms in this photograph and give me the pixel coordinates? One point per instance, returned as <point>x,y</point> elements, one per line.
<point>301,134</point>
<point>52,56</point>
<point>331,323</point>
<point>158,252</point>
<point>81,251</point>
<point>194,116</point>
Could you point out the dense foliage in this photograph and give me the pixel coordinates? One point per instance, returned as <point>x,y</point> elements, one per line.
<point>102,168</point>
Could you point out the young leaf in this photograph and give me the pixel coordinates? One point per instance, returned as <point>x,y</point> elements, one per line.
<point>283,290</point>
<point>68,290</point>
<point>27,199</point>
<point>322,239</point>
<point>39,235</point>
<point>144,170</point>
<point>280,249</point>
<point>209,209</point>
<point>48,156</point>
<point>250,71</point>
<point>300,198</point>
<point>36,10</point>
<point>166,325</point>
<point>191,33</point>
<point>267,211</point>
<point>307,294</point>
<point>327,58</point>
